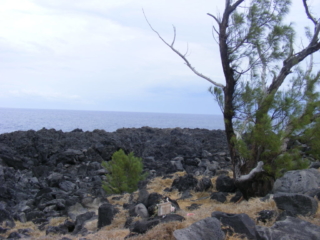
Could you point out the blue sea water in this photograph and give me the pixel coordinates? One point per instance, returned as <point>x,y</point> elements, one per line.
<point>66,120</point>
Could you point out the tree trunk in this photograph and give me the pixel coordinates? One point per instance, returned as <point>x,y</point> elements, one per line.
<point>229,89</point>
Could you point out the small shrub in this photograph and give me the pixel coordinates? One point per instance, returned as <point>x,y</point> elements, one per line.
<point>124,173</point>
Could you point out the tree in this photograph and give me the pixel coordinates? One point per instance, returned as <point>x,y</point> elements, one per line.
<point>124,173</point>
<point>258,55</point>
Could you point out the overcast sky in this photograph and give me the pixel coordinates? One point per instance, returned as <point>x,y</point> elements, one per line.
<point>102,55</point>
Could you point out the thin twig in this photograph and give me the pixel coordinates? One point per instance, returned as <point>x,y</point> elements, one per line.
<point>214,17</point>
<point>174,35</point>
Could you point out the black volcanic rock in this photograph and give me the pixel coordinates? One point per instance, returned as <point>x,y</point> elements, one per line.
<point>50,173</point>
<point>187,182</point>
<point>225,184</point>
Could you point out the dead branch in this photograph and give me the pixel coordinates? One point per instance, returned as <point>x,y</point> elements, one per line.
<point>250,175</point>
<point>183,56</point>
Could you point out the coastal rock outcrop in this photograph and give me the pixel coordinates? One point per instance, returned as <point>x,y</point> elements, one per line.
<point>50,173</point>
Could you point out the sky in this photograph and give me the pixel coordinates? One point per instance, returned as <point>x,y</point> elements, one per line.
<point>102,55</point>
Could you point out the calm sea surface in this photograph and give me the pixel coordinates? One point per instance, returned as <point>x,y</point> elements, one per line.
<point>25,119</point>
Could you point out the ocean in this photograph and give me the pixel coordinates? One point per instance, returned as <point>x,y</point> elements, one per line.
<point>67,120</point>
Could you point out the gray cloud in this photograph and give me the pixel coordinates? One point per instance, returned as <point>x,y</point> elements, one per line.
<point>101,55</point>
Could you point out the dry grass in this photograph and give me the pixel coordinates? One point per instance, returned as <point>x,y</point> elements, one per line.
<point>116,230</point>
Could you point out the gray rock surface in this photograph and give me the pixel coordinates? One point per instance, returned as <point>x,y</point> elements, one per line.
<point>289,229</point>
<point>296,203</point>
<point>238,223</point>
<point>141,210</point>
<point>297,181</point>
<point>205,229</point>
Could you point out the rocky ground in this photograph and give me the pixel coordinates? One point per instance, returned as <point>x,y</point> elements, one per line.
<point>47,175</point>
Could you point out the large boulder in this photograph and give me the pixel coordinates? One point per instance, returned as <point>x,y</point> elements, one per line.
<point>141,210</point>
<point>187,182</point>
<point>225,184</point>
<point>296,203</point>
<point>291,228</point>
<point>219,196</point>
<point>297,181</point>
<point>205,229</point>
<point>106,213</point>
<point>239,223</point>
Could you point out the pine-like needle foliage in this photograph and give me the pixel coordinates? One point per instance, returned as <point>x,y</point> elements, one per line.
<point>270,102</point>
<point>124,173</point>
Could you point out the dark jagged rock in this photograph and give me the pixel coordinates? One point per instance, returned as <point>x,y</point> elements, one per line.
<point>266,215</point>
<point>5,217</point>
<point>204,185</point>
<point>15,235</point>
<point>205,229</point>
<point>187,182</point>
<point>296,203</point>
<point>105,215</point>
<point>219,196</point>
<point>143,226</point>
<point>225,184</point>
<point>290,228</point>
<point>239,223</point>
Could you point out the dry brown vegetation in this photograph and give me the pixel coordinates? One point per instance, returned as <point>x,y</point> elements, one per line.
<point>116,230</point>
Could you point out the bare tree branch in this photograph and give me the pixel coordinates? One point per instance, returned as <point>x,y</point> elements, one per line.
<point>187,50</point>
<point>235,5</point>
<point>289,63</point>
<point>174,35</point>
<point>308,12</point>
<point>214,17</point>
<point>182,55</point>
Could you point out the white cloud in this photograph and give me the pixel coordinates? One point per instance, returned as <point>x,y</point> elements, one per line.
<point>97,52</point>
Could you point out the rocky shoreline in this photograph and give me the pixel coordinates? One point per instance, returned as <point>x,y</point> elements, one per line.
<point>47,173</point>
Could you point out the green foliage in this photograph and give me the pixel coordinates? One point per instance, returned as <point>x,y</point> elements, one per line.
<point>267,117</point>
<point>124,173</point>
<point>270,122</point>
